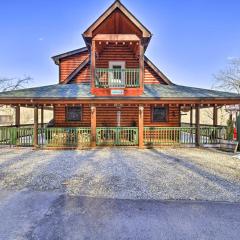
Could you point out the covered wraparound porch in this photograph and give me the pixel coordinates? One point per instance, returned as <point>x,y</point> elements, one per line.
<point>132,124</point>
<point>98,133</point>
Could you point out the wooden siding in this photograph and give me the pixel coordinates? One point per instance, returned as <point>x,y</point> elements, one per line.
<point>117,23</point>
<point>113,52</point>
<point>60,117</point>
<point>120,53</point>
<point>83,76</point>
<point>69,64</point>
<point>150,76</point>
<point>107,117</point>
<point>173,117</point>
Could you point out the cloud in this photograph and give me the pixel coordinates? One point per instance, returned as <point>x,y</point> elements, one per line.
<point>231,58</point>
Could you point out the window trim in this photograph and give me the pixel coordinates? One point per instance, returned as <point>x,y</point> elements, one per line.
<point>117,63</point>
<point>167,114</point>
<point>66,113</point>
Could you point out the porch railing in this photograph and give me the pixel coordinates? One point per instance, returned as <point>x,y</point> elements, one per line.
<point>182,135</point>
<point>212,135</point>
<point>116,136</point>
<point>16,136</point>
<point>168,135</point>
<point>117,78</point>
<point>125,136</point>
<point>64,137</point>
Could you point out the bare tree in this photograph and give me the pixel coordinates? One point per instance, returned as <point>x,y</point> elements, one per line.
<point>229,78</point>
<point>8,84</point>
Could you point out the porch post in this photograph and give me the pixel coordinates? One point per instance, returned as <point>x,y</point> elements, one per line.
<point>215,116</point>
<point>17,116</point>
<point>35,128</point>
<point>141,126</point>
<point>141,64</point>
<point>93,63</point>
<point>191,116</point>
<point>42,116</point>
<point>93,126</point>
<point>197,134</point>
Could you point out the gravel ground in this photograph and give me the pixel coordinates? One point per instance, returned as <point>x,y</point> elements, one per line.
<point>124,173</point>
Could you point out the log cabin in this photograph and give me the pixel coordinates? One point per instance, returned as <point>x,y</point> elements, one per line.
<point>110,93</point>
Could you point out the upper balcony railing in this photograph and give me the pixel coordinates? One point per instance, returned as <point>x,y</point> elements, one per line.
<point>116,78</point>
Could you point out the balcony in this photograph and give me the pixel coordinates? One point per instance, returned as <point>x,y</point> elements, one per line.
<point>117,78</point>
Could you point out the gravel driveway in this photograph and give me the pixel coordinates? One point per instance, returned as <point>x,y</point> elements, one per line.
<point>124,173</point>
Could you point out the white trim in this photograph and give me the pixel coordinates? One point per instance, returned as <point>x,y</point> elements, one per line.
<point>118,63</point>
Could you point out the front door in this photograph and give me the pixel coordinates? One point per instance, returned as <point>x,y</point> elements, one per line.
<point>117,74</point>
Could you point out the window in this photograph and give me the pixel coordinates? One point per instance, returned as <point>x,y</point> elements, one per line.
<point>159,114</point>
<point>74,113</point>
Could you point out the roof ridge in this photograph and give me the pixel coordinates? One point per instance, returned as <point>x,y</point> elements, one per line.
<point>57,57</point>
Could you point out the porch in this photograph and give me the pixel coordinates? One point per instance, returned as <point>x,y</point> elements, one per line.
<point>82,120</point>
<point>74,137</point>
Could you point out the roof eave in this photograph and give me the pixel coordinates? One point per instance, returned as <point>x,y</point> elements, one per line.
<point>56,58</point>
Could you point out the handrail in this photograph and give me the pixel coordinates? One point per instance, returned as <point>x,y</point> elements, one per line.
<point>117,78</point>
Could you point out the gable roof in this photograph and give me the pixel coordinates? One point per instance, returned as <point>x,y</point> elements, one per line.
<point>56,58</point>
<point>117,5</point>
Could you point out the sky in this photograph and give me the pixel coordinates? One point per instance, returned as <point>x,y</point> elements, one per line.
<point>192,39</point>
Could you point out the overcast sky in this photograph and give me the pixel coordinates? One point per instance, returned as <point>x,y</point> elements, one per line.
<point>192,39</point>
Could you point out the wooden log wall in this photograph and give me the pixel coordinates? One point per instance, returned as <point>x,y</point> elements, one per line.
<point>150,76</point>
<point>69,64</point>
<point>107,116</point>
<point>119,52</point>
<point>173,117</point>
<point>110,53</point>
<point>60,117</point>
<point>84,76</point>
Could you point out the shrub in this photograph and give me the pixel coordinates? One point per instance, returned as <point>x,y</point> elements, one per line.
<point>230,129</point>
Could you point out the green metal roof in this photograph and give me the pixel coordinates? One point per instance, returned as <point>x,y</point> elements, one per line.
<point>78,91</point>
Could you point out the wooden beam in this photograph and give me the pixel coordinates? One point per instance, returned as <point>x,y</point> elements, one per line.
<point>93,125</point>
<point>35,128</point>
<point>191,116</point>
<point>17,116</point>
<point>42,116</point>
<point>116,37</point>
<point>197,119</point>
<point>141,65</point>
<point>126,100</point>
<point>93,63</point>
<point>215,116</point>
<point>141,126</point>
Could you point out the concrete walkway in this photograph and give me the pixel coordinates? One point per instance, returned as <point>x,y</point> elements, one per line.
<point>48,215</point>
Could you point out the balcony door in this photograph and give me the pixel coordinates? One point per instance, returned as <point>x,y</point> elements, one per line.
<point>117,74</point>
